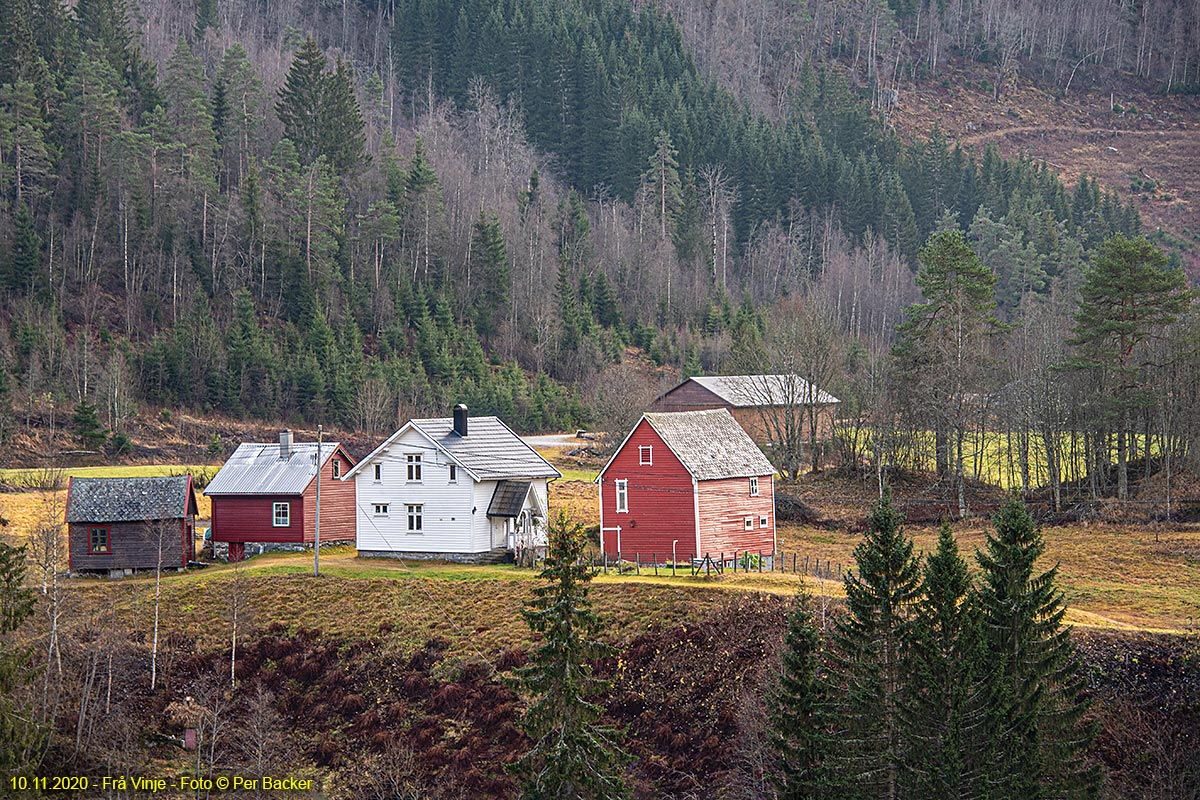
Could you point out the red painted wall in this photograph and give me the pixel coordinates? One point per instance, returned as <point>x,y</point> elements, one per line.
<point>247,518</point>
<point>337,504</point>
<point>661,503</point>
<point>724,506</point>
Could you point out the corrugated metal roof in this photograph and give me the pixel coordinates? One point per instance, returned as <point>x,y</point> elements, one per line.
<point>744,391</point>
<point>256,468</point>
<point>127,499</point>
<point>711,444</point>
<point>508,499</point>
<point>490,450</point>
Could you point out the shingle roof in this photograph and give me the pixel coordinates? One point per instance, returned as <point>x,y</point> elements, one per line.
<point>711,444</point>
<point>490,450</point>
<point>742,391</point>
<point>127,499</point>
<point>508,498</point>
<point>256,468</point>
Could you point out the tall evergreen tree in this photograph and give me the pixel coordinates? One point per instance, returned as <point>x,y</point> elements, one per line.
<point>1037,708</point>
<point>947,687</point>
<point>21,740</point>
<point>800,723</point>
<point>343,130</point>
<point>490,272</point>
<point>872,656</point>
<point>1128,296</point>
<point>573,754</point>
<point>661,186</point>
<point>301,101</point>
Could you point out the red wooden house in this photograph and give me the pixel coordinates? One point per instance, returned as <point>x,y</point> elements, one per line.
<point>687,484</point>
<point>267,493</point>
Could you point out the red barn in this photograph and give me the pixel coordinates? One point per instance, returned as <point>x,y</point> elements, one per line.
<point>268,493</point>
<point>690,484</point>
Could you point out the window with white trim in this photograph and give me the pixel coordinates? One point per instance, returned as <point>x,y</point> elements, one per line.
<point>381,509</point>
<point>622,496</point>
<point>414,518</point>
<point>454,473</point>
<point>754,487</point>
<point>281,515</point>
<point>379,472</point>
<point>749,523</point>
<point>413,461</point>
<point>646,455</point>
<point>762,522</point>
<point>337,468</point>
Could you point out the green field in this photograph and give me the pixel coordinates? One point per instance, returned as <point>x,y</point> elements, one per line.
<point>20,477</point>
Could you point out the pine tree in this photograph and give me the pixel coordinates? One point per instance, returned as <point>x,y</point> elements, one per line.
<point>872,653</point>
<point>573,754</point>
<point>301,101</point>
<point>800,720</point>
<point>25,273</point>
<point>489,270</point>
<point>1037,709</point>
<point>1128,296</point>
<point>947,688</point>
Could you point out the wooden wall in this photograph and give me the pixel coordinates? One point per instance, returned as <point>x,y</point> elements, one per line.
<point>132,545</point>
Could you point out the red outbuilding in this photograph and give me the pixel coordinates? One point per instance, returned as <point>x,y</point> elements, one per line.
<point>267,493</point>
<point>686,485</point>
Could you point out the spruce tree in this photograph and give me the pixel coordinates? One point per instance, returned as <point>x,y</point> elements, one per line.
<point>1037,708</point>
<point>301,101</point>
<point>872,657</point>
<point>573,754</point>
<point>92,435</point>
<point>343,130</point>
<point>800,719</point>
<point>490,271</point>
<point>946,684</point>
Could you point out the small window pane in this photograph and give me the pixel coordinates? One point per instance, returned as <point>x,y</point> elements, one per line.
<point>378,471</point>
<point>381,509</point>
<point>453,473</point>
<point>414,467</point>
<point>622,496</point>
<point>762,522</point>
<point>754,487</point>
<point>98,541</point>
<point>337,468</point>
<point>414,519</point>
<point>281,515</point>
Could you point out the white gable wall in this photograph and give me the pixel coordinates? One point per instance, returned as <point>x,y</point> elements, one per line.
<point>448,524</point>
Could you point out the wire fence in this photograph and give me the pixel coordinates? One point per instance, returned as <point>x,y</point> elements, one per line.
<point>717,564</point>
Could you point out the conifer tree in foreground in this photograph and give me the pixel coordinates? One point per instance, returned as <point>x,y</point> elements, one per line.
<point>1036,722</point>
<point>574,755</point>
<point>947,683</point>
<point>21,740</point>
<point>872,643</point>
<point>800,721</point>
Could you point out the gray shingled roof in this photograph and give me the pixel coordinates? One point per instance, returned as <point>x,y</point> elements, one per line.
<point>490,450</point>
<point>711,444</point>
<point>508,499</point>
<point>744,391</point>
<point>127,499</point>
<point>256,468</point>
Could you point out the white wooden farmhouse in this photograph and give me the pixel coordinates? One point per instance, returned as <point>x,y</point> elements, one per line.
<point>459,488</point>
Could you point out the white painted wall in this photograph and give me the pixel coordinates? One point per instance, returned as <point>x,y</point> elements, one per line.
<point>448,525</point>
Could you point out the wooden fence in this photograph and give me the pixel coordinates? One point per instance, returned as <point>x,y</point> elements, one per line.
<point>745,561</point>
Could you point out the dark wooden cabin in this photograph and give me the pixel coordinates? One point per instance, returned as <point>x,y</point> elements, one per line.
<point>116,525</point>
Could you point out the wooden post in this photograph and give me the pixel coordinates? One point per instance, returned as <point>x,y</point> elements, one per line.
<point>605,562</point>
<point>637,560</point>
<point>760,562</point>
<point>806,565</point>
<point>655,557</point>
<point>793,563</point>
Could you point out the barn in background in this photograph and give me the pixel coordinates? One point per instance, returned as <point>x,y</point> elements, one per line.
<point>117,525</point>
<point>771,408</point>
<point>267,493</point>
<point>687,484</point>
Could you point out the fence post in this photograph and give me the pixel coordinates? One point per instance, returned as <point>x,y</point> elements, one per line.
<point>655,557</point>
<point>605,562</point>
<point>817,569</point>
<point>806,566</point>
<point>760,562</point>
<point>637,560</point>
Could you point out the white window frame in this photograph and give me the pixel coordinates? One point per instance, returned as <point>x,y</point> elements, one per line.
<point>749,523</point>
<point>415,514</point>
<point>453,473</point>
<point>646,455</point>
<point>380,509</point>
<point>378,473</point>
<point>763,521</point>
<point>337,468</point>
<point>754,487</point>
<point>412,463</point>
<point>276,516</point>
<point>622,496</point>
